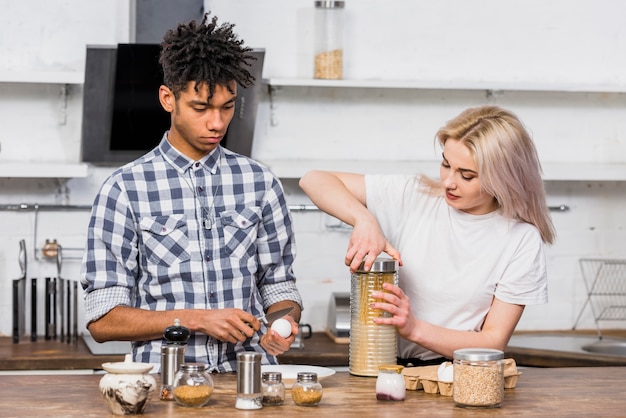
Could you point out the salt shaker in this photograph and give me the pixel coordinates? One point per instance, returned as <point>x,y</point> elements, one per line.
<point>249,393</point>
<point>172,356</point>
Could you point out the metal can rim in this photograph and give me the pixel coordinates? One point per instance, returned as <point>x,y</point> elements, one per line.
<point>380,265</point>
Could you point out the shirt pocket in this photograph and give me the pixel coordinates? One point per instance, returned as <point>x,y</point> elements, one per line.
<point>165,239</point>
<point>240,231</point>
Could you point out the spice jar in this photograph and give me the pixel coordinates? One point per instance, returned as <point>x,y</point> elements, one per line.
<point>307,391</point>
<point>273,388</point>
<point>390,385</point>
<point>193,385</point>
<point>371,344</point>
<point>329,21</point>
<point>478,377</point>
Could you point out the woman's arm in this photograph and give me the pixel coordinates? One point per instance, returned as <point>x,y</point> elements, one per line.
<point>342,195</point>
<point>499,325</point>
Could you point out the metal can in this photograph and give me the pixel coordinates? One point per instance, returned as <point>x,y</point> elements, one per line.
<point>478,377</point>
<point>371,344</point>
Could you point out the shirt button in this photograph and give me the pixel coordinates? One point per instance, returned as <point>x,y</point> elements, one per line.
<point>200,189</point>
<point>197,164</point>
<point>207,257</point>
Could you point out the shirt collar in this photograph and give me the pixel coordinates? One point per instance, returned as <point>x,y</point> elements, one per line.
<point>181,163</point>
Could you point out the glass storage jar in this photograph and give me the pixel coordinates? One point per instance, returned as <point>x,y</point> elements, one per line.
<point>390,385</point>
<point>329,22</point>
<point>371,345</point>
<point>193,385</point>
<point>307,391</point>
<point>478,377</point>
<point>273,388</point>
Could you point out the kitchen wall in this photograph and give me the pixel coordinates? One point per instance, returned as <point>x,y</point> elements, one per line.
<point>578,124</point>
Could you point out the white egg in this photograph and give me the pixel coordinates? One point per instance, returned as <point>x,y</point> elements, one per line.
<point>282,327</point>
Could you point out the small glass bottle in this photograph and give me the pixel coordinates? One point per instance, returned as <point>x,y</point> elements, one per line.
<point>307,391</point>
<point>329,39</point>
<point>193,385</point>
<point>390,385</point>
<point>478,377</point>
<point>273,388</point>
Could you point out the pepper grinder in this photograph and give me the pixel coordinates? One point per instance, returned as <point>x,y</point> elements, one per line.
<point>172,356</point>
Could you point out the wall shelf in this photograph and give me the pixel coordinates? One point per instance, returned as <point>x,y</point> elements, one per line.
<point>42,170</point>
<point>42,77</point>
<point>450,85</point>
<point>294,169</point>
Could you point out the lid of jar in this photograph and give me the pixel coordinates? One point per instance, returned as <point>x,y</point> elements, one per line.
<point>272,376</point>
<point>330,4</point>
<point>391,367</point>
<point>478,354</point>
<point>193,367</point>
<point>381,265</point>
<point>306,377</point>
<point>128,366</point>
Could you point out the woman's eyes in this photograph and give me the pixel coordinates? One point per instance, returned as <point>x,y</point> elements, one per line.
<point>466,177</point>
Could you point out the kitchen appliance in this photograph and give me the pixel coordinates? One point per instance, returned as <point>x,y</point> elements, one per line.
<point>338,326</point>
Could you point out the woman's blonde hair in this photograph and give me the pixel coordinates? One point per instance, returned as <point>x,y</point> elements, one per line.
<point>507,163</point>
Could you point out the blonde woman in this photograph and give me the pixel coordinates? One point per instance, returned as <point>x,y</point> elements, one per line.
<point>471,244</point>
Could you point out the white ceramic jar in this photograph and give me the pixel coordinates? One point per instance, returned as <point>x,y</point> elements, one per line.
<point>127,387</point>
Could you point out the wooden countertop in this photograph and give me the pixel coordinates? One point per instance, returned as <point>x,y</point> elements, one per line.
<point>540,392</point>
<point>318,351</point>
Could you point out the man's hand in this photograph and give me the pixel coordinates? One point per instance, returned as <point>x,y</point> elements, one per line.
<point>229,325</point>
<point>274,344</point>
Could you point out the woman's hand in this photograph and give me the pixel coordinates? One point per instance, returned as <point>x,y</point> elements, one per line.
<point>367,241</point>
<point>397,303</point>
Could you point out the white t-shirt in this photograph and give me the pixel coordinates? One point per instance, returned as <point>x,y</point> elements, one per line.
<point>454,262</point>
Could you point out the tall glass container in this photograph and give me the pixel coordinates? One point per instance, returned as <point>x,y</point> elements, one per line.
<point>329,21</point>
<point>371,345</point>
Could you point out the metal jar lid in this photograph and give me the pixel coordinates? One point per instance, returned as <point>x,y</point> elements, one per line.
<point>330,4</point>
<point>478,354</point>
<point>381,265</point>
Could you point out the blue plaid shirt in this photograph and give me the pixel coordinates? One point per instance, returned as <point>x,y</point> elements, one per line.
<point>147,246</point>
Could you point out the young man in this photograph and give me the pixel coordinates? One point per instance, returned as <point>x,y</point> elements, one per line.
<point>191,230</point>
